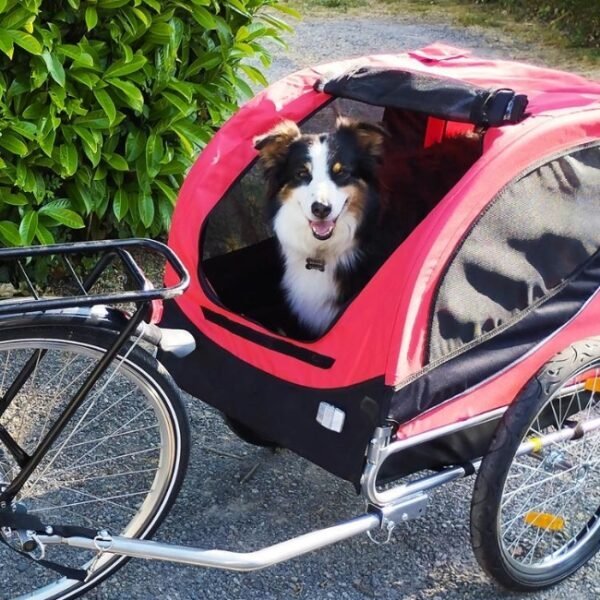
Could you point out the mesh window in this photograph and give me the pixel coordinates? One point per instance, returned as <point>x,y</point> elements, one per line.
<point>537,233</point>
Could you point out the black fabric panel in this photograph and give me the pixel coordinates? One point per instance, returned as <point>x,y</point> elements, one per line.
<point>440,97</point>
<point>485,359</point>
<point>532,237</point>
<point>281,346</point>
<point>456,448</point>
<point>277,410</point>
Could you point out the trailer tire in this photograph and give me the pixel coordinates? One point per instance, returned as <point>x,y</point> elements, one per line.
<point>560,483</point>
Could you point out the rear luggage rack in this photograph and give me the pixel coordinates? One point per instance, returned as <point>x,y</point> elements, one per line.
<point>106,254</point>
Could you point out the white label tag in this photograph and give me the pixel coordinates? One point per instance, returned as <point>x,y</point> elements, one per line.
<point>331,417</point>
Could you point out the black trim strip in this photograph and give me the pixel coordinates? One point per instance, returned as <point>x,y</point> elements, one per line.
<point>308,356</point>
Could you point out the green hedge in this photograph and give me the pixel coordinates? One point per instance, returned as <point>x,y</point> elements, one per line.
<point>579,20</point>
<point>105,103</point>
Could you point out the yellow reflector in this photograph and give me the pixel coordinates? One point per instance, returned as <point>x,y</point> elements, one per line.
<point>536,444</point>
<point>545,521</point>
<point>592,385</point>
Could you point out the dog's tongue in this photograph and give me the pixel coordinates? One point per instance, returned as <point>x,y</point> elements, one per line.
<point>322,228</point>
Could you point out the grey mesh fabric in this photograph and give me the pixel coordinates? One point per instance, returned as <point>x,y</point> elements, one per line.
<point>537,233</point>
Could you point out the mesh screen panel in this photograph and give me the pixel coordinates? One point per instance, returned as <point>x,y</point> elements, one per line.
<point>538,232</point>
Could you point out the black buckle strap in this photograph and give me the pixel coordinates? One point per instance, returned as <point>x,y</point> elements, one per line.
<point>28,522</point>
<point>501,107</point>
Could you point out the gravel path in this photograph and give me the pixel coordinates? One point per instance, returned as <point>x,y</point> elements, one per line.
<point>429,559</point>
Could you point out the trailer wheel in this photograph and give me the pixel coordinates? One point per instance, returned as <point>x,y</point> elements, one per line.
<point>535,517</point>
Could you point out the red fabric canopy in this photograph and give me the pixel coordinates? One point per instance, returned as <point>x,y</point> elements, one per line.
<point>384,329</point>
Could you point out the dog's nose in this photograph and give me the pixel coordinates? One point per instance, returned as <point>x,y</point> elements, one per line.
<point>320,210</point>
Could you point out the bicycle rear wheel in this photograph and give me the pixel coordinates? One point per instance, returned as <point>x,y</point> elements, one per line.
<point>118,464</point>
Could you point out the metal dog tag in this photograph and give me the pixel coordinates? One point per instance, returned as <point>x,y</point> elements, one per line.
<point>331,417</point>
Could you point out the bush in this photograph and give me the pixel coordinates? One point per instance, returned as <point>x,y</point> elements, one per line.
<point>579,20</point>
<point>104,104</point>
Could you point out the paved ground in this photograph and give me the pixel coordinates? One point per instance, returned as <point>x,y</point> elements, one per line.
<point>430,559</point>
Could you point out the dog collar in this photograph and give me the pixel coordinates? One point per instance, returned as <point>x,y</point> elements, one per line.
<point>315,263</point>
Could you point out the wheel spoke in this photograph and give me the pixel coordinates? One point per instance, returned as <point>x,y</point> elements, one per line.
<point>112,466</point>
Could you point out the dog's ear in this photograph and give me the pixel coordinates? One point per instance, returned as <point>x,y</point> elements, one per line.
<point>371,136</point>
<point>273,145</point>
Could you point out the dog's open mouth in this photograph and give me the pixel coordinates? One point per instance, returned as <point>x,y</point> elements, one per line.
<point>322,230</point>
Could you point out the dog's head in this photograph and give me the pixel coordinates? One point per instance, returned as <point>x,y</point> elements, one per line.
<point>323,183</point>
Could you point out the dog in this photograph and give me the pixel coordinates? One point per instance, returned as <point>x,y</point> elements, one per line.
<point>337,213</point>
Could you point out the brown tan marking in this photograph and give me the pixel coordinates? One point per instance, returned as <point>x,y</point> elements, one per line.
<point>284,194</point>
<point>370,136</point>
<point>274,144</point>
<point>357,199</point>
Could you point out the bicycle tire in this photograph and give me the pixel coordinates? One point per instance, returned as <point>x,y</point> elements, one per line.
<point>134,403</point>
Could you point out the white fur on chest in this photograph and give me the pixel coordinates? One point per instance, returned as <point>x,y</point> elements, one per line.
<point>313,295</point>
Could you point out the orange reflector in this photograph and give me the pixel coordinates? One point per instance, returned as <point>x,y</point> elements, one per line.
<point>545,521</point>
<point>592,385</point>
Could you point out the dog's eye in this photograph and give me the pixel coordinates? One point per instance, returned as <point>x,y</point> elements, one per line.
<point>302,173</point>
<point>340,172</point>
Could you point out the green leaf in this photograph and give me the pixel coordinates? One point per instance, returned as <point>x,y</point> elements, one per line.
<point>95,119</point>
<point>288,10</point>
<point>244,89</point>
<point>25,40</point>
<point>239,7</point>
<point>47,143</point>
<point>91,17</point>
<point>254,75</point>
<point>120,204</point>
<point>134,145</point>
<point>13,144</point>
<point>185,109</point>
<point>6,44</point>
<point>64,216</point>
<point>54,67</point>
<point>25,179</point>
<point>107,104</point>
<point>24,128</point>
<point>13,199</point>
<point>121,67</point>
<point>194,133</point>
<point>9,233</point>
<point>160,33</point>
<point>167,190</point>
<point>68,159</point>
<point>204,18</point>
<point>146,208</point>
<point>28,227</point>
<point>143,16</point>
<point>44,235</point>
<point>116,161</point>
<point>154,152</point>
<point>87,78</point>
<point>207,61</point>
<point>131,92</point>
